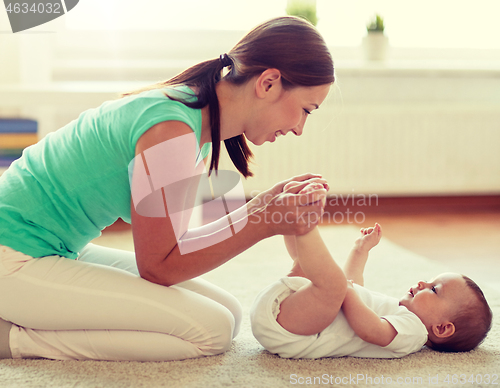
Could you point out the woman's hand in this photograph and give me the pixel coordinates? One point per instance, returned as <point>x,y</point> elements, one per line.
<point>284,210</point>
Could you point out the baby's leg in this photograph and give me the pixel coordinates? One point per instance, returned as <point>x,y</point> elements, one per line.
<point>297,270</point>
<point>291,246</point>
<point>312,308</point>
<point>290,241</point>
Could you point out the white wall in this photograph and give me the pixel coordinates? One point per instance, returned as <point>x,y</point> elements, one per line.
<point>426,121</point>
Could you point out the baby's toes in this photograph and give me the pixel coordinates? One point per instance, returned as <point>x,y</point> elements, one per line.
<point>310,187</point>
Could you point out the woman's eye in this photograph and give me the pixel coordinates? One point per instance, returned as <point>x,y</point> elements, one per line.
<point>434,289</point>
<point>307,112</point>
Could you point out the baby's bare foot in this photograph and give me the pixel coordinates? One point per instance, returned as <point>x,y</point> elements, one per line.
<point>318,191</point>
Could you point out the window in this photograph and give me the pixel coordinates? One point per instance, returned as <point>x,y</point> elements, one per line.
<point>172,14</point>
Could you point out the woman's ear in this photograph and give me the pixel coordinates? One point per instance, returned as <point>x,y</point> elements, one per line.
<point>443,330</point>
<point>268,83</point>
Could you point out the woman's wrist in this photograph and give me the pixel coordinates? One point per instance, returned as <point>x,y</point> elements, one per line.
<point>258,220</point>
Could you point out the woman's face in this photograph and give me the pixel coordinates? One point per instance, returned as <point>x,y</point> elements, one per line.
<point>287,114</point>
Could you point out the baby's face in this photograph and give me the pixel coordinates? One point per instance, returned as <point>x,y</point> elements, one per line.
<point>439,300</point>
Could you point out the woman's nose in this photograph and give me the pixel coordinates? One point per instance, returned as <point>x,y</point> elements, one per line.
<point>298,129</point>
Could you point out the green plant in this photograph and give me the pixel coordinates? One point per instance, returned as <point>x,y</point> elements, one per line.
<point>376,24</point>
<point>303,9</point>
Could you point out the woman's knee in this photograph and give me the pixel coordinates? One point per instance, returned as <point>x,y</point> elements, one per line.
<point>217,294</point>
<point>224,326</point>
<point>234,306</point>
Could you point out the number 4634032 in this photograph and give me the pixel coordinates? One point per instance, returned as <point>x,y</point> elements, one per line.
<point>35,8</point>
<point>472,379</point>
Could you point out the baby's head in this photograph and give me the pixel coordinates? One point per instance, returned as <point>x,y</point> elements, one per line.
<point>453,309</point>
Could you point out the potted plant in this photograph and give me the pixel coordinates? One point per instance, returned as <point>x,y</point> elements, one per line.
<point>305,9</point>
<point>375,43</point>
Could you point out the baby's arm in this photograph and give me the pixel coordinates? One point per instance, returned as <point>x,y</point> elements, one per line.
<point>355,264</point>
<point>365,323</point>
<point>363,320</point>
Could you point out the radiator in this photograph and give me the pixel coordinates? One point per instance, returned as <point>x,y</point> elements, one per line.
<point>427,149</point>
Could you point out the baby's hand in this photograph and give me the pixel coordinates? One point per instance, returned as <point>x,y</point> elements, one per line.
<point>369,237</point>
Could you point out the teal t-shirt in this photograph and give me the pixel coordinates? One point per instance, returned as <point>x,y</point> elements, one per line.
<point>74,182</point>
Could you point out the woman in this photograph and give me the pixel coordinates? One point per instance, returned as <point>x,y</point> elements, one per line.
<point>63,298</point>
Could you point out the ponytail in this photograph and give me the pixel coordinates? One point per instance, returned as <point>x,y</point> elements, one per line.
<point>205,76</point>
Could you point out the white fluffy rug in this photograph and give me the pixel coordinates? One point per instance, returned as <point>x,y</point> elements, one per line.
<point>390,269</point>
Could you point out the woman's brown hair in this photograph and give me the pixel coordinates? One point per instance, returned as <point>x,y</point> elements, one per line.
<point>289,44</point>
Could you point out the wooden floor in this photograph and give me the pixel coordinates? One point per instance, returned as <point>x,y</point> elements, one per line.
<point>467,243</point>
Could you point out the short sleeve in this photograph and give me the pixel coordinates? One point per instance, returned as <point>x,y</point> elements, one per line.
<point>412,333</point>
<point>154,111</point>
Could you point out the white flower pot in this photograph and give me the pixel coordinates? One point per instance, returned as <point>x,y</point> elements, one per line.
<point>375,46</point>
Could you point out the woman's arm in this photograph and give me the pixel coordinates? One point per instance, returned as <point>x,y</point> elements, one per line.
<point>159,259</point>
<point>365,323</point>
<point>157,235</point>
<point>160,221</point>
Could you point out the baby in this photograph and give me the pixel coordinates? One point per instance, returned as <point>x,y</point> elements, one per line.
<point>320,310</point>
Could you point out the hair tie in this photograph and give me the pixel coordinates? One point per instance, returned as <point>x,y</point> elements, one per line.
<point>225,60</point>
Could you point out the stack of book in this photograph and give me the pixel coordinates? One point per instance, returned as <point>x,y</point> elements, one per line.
<point>15,136</point>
